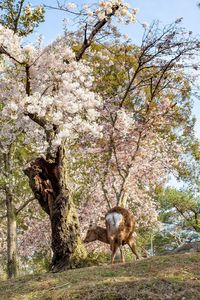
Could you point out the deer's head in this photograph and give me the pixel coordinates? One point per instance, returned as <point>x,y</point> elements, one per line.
<point>91,233</point>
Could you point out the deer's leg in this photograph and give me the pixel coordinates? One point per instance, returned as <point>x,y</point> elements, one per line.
<point>122,254</point>
<point>114,247</point>
<point>132,245</point>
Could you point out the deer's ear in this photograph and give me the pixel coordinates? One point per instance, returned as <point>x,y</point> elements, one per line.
<point>92,225</point>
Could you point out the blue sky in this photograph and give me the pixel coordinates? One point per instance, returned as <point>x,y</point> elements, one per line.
<point>164,10</point>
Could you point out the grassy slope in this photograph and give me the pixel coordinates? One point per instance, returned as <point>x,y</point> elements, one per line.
<point>165,277</point>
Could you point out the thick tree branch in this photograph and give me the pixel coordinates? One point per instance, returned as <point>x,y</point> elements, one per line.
<point>105,192</point>
<point>129,166</point>
<point>16,21</point>
<point>4,51</point>
<point>36,119</point>
<point>97,27</point>
<point>138,69</point>
<point>28,82</point>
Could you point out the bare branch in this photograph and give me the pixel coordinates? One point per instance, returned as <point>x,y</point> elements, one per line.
<point>61,8</point>
<point>24,205</point>
<point>36,119</point>
<point>105,192</point>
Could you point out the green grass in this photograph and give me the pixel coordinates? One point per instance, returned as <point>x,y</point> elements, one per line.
<point>174,277</point>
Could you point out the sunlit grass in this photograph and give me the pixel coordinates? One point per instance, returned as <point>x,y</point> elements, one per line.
<point>165,277</point>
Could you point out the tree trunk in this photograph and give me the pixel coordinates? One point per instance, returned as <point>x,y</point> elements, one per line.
<point>48,181</point>
<point>11,238</point>
<point>11,224</point>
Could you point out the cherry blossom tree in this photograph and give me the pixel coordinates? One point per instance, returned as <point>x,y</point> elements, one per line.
<point>140,145</point>
<point>15,194</point>
<point>148,127</point>
<point>48,97</point>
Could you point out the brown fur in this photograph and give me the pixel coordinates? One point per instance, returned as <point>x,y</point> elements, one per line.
<point>123,233</point>
<point>127,226</point>
<point>96,233</point>
<point>122,236</point>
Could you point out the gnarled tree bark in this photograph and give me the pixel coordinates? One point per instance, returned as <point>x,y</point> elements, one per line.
<point>48,181</point>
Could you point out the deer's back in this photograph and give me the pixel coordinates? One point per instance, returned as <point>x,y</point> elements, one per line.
<point>120,222</point>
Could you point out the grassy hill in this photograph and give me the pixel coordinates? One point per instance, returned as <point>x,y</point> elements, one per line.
<point>174,277</point>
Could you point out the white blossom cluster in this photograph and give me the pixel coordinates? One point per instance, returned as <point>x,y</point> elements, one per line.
<point>105,9</point>
<point>145,209</point>
<point>10,42</point>
<point>124,13</point>
<point>71,5</point>
<point>57,90</point>
<point>126,121</point>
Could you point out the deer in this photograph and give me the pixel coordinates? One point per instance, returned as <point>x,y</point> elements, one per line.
<point>119,231</point>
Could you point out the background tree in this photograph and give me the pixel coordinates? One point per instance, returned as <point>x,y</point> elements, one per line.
<point>179,217</point>
<point>185,205</point>
<point>22,19</point>
<point>15,197</point>
<point>147,136</point>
